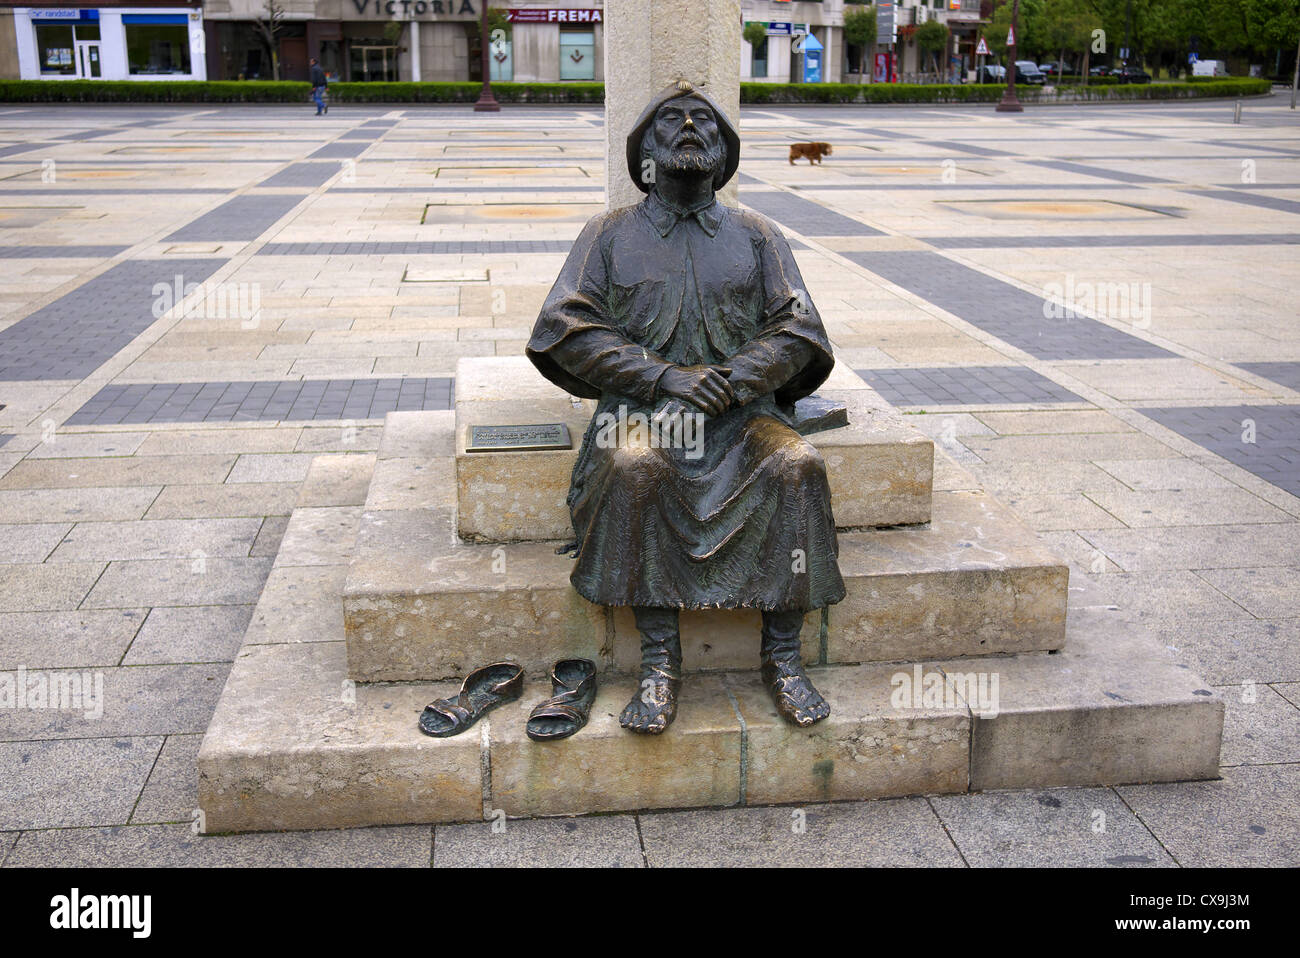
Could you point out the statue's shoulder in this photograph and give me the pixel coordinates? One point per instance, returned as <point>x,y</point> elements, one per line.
<point>760,228</point>
<point>604,224</point>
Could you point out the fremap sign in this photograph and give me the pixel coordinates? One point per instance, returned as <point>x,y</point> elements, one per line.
<point>553,15</point>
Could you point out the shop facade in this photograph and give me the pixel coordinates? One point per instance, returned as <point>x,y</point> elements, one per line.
<point>108,42</point>
<point>804,42</point>
<point>405,40</point>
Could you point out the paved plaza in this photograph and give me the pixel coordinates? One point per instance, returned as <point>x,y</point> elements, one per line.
<point>207,311</point>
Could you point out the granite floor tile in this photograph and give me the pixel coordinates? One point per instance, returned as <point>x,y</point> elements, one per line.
<point>1052,828</point>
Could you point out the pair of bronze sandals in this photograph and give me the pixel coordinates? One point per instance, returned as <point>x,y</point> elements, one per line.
<point>573,682</point>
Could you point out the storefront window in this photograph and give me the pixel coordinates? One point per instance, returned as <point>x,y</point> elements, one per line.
<point>374,60</point>
<point>577,54</point>
<point>54,47</point>
<point>758,63</point>
<point>157,44</point>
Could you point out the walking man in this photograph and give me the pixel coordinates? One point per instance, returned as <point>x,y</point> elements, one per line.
<point>318,87</point>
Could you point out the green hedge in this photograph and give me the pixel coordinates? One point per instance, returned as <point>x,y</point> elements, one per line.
<point>466,92</point>
<point>991,92</point>
<point>869,92</point>
<point>286,91</point>
<point>262,91</point>
<point>1171,91</point>
<point>153,91</point>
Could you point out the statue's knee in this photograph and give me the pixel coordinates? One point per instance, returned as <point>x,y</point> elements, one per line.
<point>634,464</point>
<point>800,460</point>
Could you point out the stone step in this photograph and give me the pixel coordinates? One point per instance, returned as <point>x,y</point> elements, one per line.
<point>295,744</point>
<point>880,469</point>
<point>422,604</point>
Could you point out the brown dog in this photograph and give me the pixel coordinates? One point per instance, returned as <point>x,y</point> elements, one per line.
<point>814,152</point>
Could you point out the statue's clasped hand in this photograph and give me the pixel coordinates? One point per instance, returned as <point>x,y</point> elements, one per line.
<point>705,387</point>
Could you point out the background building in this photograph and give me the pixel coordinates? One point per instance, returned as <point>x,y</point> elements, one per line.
<point>963,20</point>
<point>109,41</point>
<point>422,40</point>
<point>779,61</point>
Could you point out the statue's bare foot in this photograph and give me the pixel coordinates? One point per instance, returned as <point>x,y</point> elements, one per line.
<point>653,707</point>
<point>797,699</point>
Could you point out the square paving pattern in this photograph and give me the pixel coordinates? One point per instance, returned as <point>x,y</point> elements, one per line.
<point>965,385</point>
<point>268,400</point>
<point>1274,453</point>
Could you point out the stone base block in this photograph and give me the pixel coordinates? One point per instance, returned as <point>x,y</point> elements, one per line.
<point>421,604</point>
<point>880,469</point>
<point>294,744</point>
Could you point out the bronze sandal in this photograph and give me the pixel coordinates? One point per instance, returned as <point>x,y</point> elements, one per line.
<point>565,712</point>
<point>483,690</point>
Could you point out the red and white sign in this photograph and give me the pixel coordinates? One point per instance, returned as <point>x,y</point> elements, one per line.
<point>981,48</point>
<point>1011,36</point>
<point>551,15</point>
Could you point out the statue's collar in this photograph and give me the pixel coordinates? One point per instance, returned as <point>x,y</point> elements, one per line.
<point>665,217</point>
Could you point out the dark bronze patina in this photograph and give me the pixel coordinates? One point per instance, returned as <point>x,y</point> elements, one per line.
<point>683,309</point>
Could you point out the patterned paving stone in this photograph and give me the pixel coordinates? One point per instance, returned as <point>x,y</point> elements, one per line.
<point>175,846</point>
<point>806,217</point>
<point>1253,199</point>
<point>1284,374</point>
<point>466,247</point>
<point>262,400</point>
<point>1084,169</point>
<point>339,151</point>
<point>968,148</point>
<point>473,189</point>
<point>78,332</point>
<point>1007,312</point>
<point>241,218</point>
<point>1114,240</point>
<point>302,174</point>
<point>60,252</point>
<point>1274,453</point>
<point>91,189</point>
<point>965,385</point>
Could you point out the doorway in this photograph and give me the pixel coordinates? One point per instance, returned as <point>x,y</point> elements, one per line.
<point>374,63</point>
<point>88,66</point>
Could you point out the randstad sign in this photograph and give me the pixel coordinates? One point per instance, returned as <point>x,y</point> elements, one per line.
<point>418,8</point>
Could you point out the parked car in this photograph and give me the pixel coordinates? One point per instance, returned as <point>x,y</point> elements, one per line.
<point>1099,72</point>
<point>1132,75</point>
<point>991,73</point>
<point>1209,68</point>
<point>1055,69</point>
<point>1027,72</point>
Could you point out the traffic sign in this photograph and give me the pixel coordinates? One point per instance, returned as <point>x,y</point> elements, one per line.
<point>1011,36</point>
<point>982,48</point>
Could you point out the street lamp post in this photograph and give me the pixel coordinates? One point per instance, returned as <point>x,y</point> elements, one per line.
<point>1009,103</point>
<point>486,102</point>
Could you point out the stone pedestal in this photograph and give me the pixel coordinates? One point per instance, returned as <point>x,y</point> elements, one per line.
<point>952,664</point>
<point>650,44</point>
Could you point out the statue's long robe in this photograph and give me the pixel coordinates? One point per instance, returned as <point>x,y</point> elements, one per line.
<point>748,523</point>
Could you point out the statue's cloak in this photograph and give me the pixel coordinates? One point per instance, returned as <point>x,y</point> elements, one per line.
<point>744,518</point>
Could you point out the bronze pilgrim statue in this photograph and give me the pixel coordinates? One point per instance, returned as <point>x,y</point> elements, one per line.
<point>691,317</point>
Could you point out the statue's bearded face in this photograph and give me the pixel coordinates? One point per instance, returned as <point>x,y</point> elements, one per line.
<point>686,139</point>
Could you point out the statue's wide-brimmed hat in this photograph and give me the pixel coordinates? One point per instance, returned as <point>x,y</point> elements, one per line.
<point>680,89</point>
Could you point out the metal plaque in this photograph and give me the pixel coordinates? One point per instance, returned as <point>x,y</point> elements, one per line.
<point>542,436</point>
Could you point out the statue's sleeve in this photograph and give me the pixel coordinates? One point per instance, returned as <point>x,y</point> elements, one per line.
<point>574,343</point>
<point>791,356</point>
